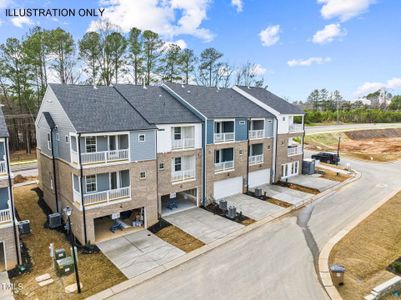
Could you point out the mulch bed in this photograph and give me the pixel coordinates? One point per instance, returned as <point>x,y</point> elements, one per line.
<point>240,218</point>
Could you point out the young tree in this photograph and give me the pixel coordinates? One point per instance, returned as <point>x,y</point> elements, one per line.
<point>395,103</point>
<point>314,98</point>
<point>171,63</point>
<point>115,46</point>
<point>89,52</point>
<point>135,42</point>
<point>209,66</point>
<point>152,45</point>
<point>188,61</point>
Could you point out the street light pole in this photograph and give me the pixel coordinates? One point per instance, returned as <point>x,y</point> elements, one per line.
<point>68,212</point>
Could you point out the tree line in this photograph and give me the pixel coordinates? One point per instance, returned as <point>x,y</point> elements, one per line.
<point>102,57</point>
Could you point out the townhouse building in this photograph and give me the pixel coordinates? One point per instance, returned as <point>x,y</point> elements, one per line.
<point>9,238</point>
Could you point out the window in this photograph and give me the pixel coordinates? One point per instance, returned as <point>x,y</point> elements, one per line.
<point>49,143</point>
<point>142,175</point>
<point>141,138</point>
<point>177,164</point>
<point>177,133</point>
<point>283,118</point>
<point>242,122</point>
<point>240,152</point>
<point>90,142</point>
<point>67,139</point>
<point>161,166</point>
<point>90,183</point>
<point>58,137</point>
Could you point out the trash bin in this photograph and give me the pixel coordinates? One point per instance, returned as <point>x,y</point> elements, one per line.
<point>337,274</point>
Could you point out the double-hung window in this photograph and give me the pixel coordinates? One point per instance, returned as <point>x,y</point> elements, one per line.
<point>177,164</point>
<point>91,184</point>
<point>177,133</point>
<point>90,143</point>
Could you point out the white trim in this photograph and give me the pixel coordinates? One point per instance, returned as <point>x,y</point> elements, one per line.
<point>118,176</point>
<point>86,184</point>
<point>106,133</point>
<point>86,144</point>
<point>144,138</point>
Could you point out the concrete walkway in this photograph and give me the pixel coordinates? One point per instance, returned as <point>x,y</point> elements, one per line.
<point>285,194</point>
<point>203,225</point>
<point>253,208</point>
<point>138,252</point>
<point>313,181</point>
<point>6,292</point>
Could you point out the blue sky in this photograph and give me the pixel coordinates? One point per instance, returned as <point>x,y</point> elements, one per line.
<point>299,45</point>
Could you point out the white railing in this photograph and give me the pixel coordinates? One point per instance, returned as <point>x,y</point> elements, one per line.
<point>5,215</point>
<point>256,159</point>
<point>256,134</point>
<point>294,150</point>
<point>77,196</point>
<point>74,156</point>
<point>296,128</point>
<point>183,143</point>
<point>182,175</point>
<point>104,156</point>
<point>223,137</point>
<point>106,196</point>
<point>3,167</point>
<point>224,166</point>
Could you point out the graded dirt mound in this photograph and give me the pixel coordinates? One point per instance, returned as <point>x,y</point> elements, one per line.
<point>374,134</point>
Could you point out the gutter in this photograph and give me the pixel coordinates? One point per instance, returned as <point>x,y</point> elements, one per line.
<point>10,186</point>
<point>81,188</point>
<point>54,170</point>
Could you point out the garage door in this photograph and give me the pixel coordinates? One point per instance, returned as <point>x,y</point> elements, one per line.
<point>227,187</point>
<point>259,177</point>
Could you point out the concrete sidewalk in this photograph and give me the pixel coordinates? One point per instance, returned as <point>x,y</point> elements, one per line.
<point>313,181</point>
<point>6,292</point>
<point>285,194</point>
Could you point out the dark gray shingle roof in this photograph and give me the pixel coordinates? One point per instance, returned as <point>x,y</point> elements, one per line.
<point>49,120</point>
<point>219,103</point>
<point>275,102</point>
<point>100,109</point>
<point>156,105</point>
<point>3,126</point>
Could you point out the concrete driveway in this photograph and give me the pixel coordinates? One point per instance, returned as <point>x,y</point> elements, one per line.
<point>138,252</point>
<point>253,208</point>
<point>285,194</point>
<point>313,181</point>
<point>203,225</point>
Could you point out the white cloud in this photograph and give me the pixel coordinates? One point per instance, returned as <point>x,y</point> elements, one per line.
<point>4,3</point>
<point>238,4</point>
<point>270,35</point>
<point>344,9</point>
<point>258,70</point>
<point>180,43</point>
<point>309,61</point>
<point>168,18</point>
<point>370,87</point>
<point>21,21</point>
<point>328,34</point>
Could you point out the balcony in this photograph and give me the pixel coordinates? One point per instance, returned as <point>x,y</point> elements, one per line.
<point>256,159</point>
<point>224,137</point>
<point>224,166</point>
<point>102,157</point>
<point>183,175</point>
<point>256,134</point>
<point>5,215</point>
<point>186,143</point>
<point>296,128</point>
<point>3,167</point>
<point>294,150</point>
<point>104,197</point>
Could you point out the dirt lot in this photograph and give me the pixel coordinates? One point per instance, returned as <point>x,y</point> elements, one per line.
<point>179,238</point>
<point>368,249</point>
<point>377,145</point>
<point>331,175</point>
<point>96,271</point>
<point>21,155</point>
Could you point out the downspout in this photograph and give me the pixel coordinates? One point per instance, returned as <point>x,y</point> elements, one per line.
<point>10,186</point>
<point>204,143</point>
<point>54,169</point>
<point>157,180</point>
<point>81,187</point>
<point>303,141</point>
<point>275,133</point>
<point>247,155</point>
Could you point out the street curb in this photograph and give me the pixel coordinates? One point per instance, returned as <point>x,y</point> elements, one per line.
<point>107,293</point>
<point>324,272</point>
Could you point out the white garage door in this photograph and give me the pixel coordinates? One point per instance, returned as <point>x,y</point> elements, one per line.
<point>227,187</point>
<point>259,178</point>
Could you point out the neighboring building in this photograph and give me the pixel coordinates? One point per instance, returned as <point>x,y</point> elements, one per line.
<point>179,146</point>
<point>290,130</point>
<point>238,139</point>
<point>9,239</point>
<point>97,154</point>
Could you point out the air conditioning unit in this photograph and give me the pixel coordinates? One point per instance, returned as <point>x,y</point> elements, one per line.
<point>223,205</point>
<point>24,227</point>
<point>258,192</point>
<point>60,253</point>
<point>54,220</point>
<point>308,166</point>
<point>232,212</point>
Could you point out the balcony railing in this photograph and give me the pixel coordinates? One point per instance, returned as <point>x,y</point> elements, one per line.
<point>256,134</point>
<point>102,157</point>
<point>296,128</point>
<point>5,215</point>
<point>223,137</point>
<point>105,196</point>
<point>224,166</point>
<point>256,159</point>
<point>182,175</point>
<point>294,150</point>
<point>183,143</point>
<point>3,167</point>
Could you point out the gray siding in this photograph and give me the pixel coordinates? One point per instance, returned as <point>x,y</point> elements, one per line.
<point>143,150</point>
<point>269,127</point>
<point>241,129</point>
<point>102,182</point>
<point>4,198</point>
<point>125,180</point>
<point>64,126</point>
<point>210,131</point>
